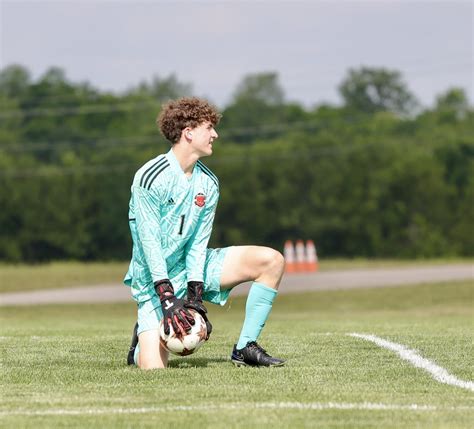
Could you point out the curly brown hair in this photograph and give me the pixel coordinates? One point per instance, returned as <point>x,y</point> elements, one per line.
<point>191,112</point>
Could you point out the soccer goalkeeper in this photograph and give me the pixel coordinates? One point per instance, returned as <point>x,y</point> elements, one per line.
<point>172,206</point>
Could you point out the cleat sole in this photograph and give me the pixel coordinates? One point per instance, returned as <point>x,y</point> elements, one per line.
<point>238,363</point>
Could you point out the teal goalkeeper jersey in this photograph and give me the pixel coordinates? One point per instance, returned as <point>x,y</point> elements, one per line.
<point>170,217</point>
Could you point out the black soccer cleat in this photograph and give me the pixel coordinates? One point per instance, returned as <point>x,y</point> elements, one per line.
<point>253,355</point>
<point>133,345</point>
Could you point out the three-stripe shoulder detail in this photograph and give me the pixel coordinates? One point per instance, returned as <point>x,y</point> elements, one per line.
<point>209,173</point>
<point>152,172</point>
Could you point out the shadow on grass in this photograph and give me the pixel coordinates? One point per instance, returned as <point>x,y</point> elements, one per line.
<point>187,362</point>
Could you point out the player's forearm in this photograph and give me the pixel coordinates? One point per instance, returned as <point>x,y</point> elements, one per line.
<point>195,262</point>
<point>150,239</point>
<point>148,220</point>
<point>197,249</point>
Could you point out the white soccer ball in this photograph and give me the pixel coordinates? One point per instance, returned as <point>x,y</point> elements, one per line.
<point>185,345</point>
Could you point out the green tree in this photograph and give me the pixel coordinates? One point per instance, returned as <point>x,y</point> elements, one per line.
<point>452,105</point>
<point>162,89</point>
<point>366,182</point>
<point>258,110</point>
<point>371,90</point>
<point>14,81</point>
<point>260,87</point>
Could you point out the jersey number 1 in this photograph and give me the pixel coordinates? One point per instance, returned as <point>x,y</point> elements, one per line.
<point>181,225</point>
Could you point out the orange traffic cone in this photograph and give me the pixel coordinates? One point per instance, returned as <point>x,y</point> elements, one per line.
<point>300,256</point>
<point>312,264</point>
<point>289,254</point>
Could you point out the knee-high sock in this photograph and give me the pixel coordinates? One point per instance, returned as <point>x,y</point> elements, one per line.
<point>257,310</point>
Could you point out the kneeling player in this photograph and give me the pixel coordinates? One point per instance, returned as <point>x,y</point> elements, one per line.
<point>172,206</point>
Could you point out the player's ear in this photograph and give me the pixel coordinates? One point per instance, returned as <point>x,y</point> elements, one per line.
<point>188,134</point>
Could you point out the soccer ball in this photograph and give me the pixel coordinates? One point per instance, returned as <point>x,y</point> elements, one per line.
<point>185,345</point>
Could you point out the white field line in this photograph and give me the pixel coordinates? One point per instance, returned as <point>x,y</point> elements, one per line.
<point>318,406</point>
<point>436,371</point>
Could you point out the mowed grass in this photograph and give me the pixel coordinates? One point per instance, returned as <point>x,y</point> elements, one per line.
<point>55,275</point>
<point>24,277</point>
<point>64,366</point>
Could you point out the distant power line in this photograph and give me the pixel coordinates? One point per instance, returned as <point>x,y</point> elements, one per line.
<point>32,146</point>
<point>55,170</point>
<point>79,110</point>
<point>156,139</point>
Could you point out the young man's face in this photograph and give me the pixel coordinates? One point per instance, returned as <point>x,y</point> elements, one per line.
<point>202,138</point>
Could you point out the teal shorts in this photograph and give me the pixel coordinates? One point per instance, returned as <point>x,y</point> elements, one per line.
<point>149,312</point>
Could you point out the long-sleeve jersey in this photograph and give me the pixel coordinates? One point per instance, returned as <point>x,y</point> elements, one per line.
<point>170,217</point>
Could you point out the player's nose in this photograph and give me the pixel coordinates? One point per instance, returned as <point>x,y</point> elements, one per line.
<point>214,134</point>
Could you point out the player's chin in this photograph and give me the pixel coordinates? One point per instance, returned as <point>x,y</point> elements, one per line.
<point>205,151</point>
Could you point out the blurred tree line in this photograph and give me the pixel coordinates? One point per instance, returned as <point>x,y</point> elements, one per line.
<point>377,176</point>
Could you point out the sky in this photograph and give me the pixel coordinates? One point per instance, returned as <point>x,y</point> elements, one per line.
<point>214,44</point>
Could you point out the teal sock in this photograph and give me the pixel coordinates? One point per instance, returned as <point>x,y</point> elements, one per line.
<point>257,310</point>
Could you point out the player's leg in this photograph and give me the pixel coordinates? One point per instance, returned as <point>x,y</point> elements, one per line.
<point>252,263</point>
<point>264,267</point>
<point>148,352</point>
<point>151,354</point>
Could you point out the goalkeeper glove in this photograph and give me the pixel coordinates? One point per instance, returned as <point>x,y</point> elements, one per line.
<point>174,311</point>
<point>194,301</point>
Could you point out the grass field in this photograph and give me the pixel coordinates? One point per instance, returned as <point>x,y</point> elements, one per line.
<point>22,277</point>
<point>63,366</point>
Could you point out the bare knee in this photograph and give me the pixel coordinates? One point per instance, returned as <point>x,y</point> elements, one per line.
<point>272,264</point>
<point>252,263</point>
<point>273,259</point>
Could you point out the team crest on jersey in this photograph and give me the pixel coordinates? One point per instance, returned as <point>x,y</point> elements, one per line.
<point>200,200</point>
